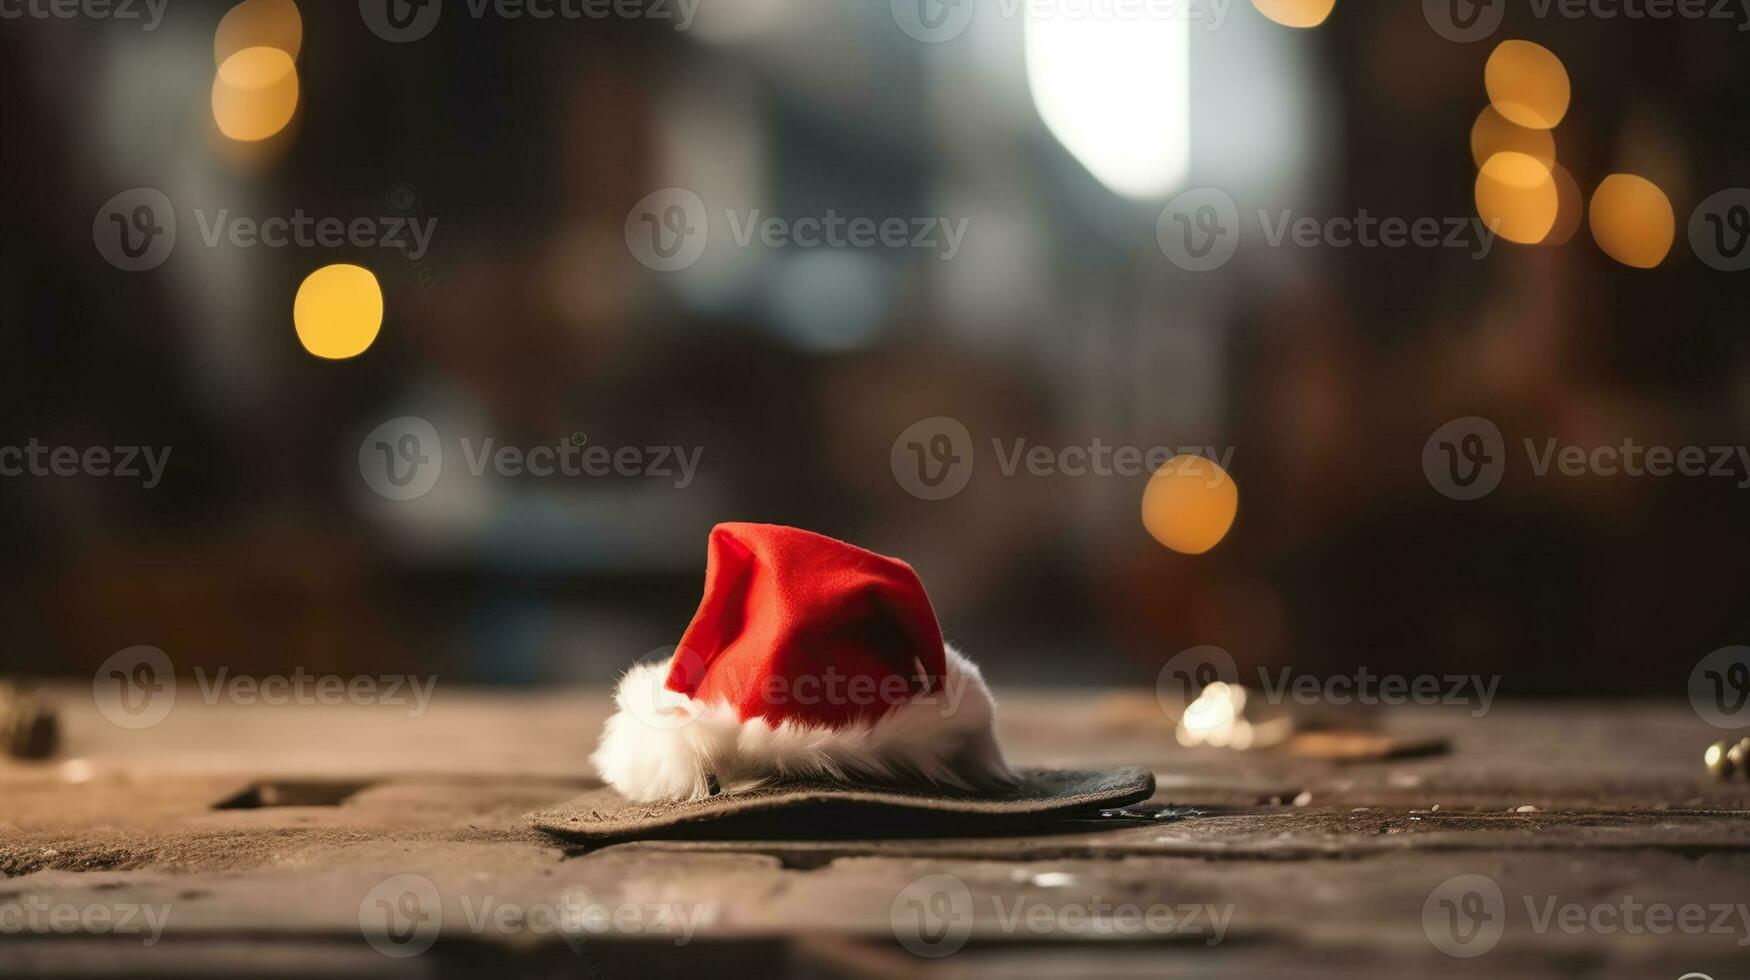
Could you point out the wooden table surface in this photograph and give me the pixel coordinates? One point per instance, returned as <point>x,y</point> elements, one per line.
<point>1551,840</point>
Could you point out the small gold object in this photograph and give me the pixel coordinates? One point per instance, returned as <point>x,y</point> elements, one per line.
<point>1719,759</point>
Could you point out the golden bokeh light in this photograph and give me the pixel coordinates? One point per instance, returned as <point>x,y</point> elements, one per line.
<point>1190,504</point>
<point>259,24</point>
<point>1632,220</point>
<point>1517,196</point>
<point>255,93</point>
<point>1527,84</point>
<point>1570,207</point>
<point>338,311</point>
<point>1296,13</point>
<point>1494,133</point>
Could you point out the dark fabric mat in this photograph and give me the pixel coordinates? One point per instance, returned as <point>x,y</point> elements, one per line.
<point>826,810</point>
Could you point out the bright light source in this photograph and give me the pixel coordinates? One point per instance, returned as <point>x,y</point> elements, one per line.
<point>1116,92</point>
<point>1632,220</point>
<point>1494,133</point>
<point>1528,84</point>
<point>255,93</point>
<point>338,311</point>
<point>1296,13</point>
<point>1190,504</point>
<point>259,24</point>
<point>1518,197</point>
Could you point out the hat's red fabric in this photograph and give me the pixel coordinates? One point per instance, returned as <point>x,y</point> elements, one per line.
<point>799,626</point>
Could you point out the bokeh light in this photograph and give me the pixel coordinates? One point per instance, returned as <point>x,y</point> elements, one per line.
<point>259,24</point>
<point>1116,93</point>
<point>1527,84</point>
<point>1632,220</point>
<point>338,311</point>
<point>1570,207</point>
<point>1494,133</point>
<point>1517,197</point>
<point>1296,13</point>
<point>1190,504</point>
<point>255,93</point>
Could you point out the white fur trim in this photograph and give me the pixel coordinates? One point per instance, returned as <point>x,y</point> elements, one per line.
<point>660,745</point>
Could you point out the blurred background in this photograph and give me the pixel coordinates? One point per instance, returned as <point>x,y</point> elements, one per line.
<point>532,146</point>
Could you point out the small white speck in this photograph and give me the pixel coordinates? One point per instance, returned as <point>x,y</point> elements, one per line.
<point>1527,808</point>
<point>1436,808</point>
<point>1053,879</point>
<point>1304,798</point>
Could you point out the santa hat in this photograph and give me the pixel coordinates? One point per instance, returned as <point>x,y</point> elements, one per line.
<point>809,658</point>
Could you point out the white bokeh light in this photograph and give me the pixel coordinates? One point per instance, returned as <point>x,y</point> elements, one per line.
<point>1116,92</point>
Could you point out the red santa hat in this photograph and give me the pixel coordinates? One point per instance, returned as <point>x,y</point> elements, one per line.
<point>809,658</point>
